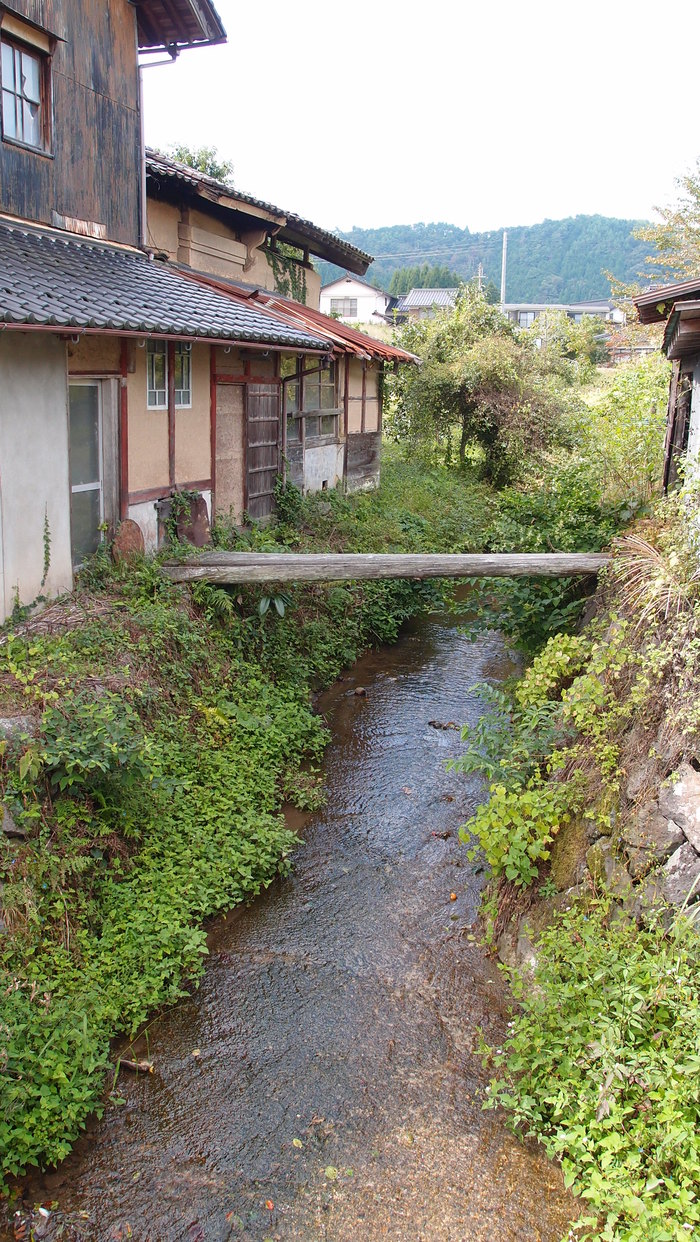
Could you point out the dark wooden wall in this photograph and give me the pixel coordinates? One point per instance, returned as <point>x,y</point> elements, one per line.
<point>95,171</point>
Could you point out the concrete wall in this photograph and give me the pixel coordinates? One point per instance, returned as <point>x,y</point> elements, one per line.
<point>34,477</point>
<point>323,466</point>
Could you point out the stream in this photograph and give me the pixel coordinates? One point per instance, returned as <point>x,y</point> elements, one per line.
<point>324,1082</point>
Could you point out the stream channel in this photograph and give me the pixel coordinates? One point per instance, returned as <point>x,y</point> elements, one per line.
<point>324,1084</point>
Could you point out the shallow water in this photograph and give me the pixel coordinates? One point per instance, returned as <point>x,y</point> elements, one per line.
<point>335,1074</point>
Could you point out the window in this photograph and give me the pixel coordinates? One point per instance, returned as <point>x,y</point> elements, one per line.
<point>157,375</point>
<point>346,307</point>
<point>183,375</point>
<point>318,425</point>
<point>319,389</point>
<point>526,318</point>
<point>25,93</point>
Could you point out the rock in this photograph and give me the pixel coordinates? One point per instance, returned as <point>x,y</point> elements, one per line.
<point>681,872</point>
<point>640,776</point>
<point>607,871</point>
<point>13,727</point>
<point>680,801</point>
<point>650,838</point>
<point>193,523</point>
<point>8,825</point>
<point>567,863</point>
<point>128,544</point>
<point>360,692</point>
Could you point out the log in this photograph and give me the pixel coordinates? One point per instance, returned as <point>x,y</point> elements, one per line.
<point>248,567</point>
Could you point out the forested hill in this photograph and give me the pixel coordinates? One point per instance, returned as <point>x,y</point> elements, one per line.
<point>555,261</point>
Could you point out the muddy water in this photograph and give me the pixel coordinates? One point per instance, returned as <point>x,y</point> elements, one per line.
<point>327,1064</point>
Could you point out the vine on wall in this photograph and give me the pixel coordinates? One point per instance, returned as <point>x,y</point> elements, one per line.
<point>288,271</point>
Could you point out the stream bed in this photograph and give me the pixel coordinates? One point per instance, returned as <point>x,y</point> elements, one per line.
<point>324,1082</point>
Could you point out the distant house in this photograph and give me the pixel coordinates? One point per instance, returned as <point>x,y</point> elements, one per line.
<point>524,314</point>
<point>678,305</point>
<point>354,300</point>
<point>140,354</point>
<point>424,303</point>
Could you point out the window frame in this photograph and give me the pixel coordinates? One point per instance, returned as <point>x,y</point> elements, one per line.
<point>42,56</point>
<point>339,307</point>
<point>161,348</point>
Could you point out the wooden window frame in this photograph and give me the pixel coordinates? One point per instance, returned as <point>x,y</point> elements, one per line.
<point>169,353</point>
<point>38,47</point>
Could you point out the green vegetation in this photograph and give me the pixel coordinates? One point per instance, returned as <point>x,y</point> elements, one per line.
<point>424,276</point>
<point>555,261</point>
<point>205,160</point>
<point>602,1055</point>
<point>169,727</point>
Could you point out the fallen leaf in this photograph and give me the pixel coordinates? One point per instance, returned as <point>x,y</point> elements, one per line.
<point>269,1205</point>
<point>453,896</point>
<point>331,1173</point>
<point>196,1053</point>
<point>297,1142</point>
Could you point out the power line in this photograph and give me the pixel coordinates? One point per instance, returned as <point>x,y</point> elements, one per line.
<point>469,248</point>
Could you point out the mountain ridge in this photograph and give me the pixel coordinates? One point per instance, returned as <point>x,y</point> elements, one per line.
<point>552,261</point>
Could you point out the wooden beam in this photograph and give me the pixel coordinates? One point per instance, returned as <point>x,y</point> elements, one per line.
<point>242,567</point>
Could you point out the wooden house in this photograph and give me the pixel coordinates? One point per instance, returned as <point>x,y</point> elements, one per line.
<point>110,345</point>
<point>329,412</point>
<point>678,306</point>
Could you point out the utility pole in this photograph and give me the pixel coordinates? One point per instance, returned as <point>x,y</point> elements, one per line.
<point>503,268</point>
<point>480,277</point>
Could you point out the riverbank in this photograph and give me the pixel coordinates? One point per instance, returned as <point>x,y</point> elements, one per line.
<point>592,835</point>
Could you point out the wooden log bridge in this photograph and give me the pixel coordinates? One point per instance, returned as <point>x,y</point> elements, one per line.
<point>247,567</point>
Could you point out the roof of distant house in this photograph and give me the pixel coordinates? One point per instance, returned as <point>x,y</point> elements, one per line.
<point>358,280</point>
<point>427,297</point>
<point>172,25</point>
<point>290,227</point>
<point>52,280</point>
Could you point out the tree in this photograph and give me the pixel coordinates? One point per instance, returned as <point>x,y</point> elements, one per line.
<point>479,378</point>
<point>676,238</point>
<point>204,160</point>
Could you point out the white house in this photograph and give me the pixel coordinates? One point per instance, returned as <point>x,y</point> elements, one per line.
<point>354,300</point>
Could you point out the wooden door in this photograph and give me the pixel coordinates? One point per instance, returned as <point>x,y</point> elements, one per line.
<point>263,451</point>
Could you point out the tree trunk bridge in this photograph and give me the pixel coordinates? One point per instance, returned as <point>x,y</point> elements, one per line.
<point>247,567</point>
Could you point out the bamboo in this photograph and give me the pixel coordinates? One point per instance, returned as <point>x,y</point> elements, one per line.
<point>245,567</point>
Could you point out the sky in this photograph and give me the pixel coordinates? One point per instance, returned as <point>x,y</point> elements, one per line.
<point>479,113</point>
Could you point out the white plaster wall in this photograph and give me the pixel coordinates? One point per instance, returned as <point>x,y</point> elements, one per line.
<point>368,301</point>
<point>145,515</point>
<point>323,464</point>
<point>34,477</point>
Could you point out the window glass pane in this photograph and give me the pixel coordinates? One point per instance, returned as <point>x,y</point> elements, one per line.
<point>85,523</point>
<point>8,72</point>
<point>9,119</point>
<point>293,429</point>
<point>31,130</point>
<point>84,434</point>
<point>328,425</point>
<point>31,83</point>
<point>292,397</point>
<point>312,393</point>
<point>289,364</point>
<point>311,428</point>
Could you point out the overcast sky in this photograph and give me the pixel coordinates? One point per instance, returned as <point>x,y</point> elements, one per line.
<point>481,113</point>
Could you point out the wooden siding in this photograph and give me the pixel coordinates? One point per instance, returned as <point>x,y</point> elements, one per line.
<point>95,142</point>
<point>263,454</point>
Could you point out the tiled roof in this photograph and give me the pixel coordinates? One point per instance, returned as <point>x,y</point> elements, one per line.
<point>295,229</point>
<point>427,297</point>
<point>55,280</point>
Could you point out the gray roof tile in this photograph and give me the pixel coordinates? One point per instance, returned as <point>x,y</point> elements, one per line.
<point>58,280</point>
